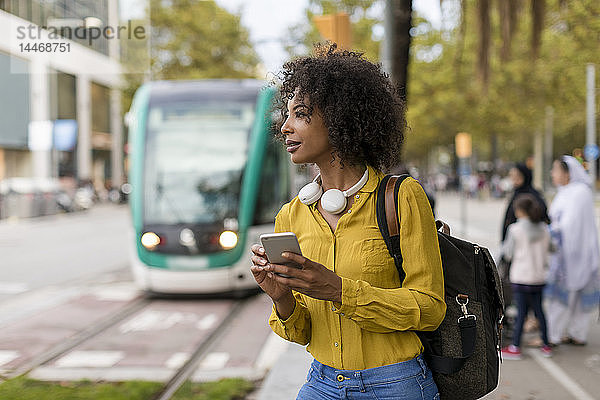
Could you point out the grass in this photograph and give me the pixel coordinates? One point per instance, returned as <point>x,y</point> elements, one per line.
<point>28,389</point>
<point>224,389</point>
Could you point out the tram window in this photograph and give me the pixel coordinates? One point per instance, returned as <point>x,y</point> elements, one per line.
<point>274,184</point>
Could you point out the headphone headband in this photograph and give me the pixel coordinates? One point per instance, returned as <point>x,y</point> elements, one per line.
<point>333,200</point>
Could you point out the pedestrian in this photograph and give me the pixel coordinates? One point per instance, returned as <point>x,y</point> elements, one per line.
<point>521,178</point>
<point>573,287</point>
<point>527,246</point>
<point>343,114</point>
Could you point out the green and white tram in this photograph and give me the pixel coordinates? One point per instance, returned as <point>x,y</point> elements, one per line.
<point>207,179</point>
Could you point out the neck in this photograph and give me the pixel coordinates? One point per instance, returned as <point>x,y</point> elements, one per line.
<point>336,177</point>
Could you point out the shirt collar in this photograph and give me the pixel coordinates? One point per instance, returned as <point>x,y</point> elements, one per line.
<point>375,177</point>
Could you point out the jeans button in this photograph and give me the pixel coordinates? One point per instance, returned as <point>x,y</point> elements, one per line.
<point>340,378</point>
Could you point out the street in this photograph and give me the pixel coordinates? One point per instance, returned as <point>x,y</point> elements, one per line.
<point>69,311</point>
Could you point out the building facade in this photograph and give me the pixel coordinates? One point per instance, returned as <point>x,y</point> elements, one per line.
<point>60,112</point>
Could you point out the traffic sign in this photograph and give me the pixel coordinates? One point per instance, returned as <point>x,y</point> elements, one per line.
<point>591,152</point>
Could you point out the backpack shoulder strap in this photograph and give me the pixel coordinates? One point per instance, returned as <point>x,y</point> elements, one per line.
<point>387,217</point>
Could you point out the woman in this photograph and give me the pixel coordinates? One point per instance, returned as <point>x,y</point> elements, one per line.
<point>573,283</point>
<point>521,177</point>
<point>342,113</point>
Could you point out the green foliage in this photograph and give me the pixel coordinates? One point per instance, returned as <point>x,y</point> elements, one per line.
<point>302,37</point>
<point>197,39</point>
<point>225,389</point>
<point>28,389</point>
<point>190,39</point>
<point>446,98</point>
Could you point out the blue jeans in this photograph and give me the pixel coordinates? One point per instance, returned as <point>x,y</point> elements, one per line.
<point>526,297</point>
<point>408,380</point>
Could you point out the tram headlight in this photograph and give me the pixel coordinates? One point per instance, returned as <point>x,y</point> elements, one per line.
<point>228,240</point>
<point>150,240</point>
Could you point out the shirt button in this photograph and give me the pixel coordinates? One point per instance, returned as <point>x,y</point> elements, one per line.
<point>332,308</point>
<point>336,344</point>
<point>340,378</point>
<point>357,197</point>
<point>349,211</point>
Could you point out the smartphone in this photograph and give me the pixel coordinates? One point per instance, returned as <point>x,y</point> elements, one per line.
<point>277,243</point>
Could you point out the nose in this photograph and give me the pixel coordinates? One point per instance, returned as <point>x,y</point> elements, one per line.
<point>285,128</point>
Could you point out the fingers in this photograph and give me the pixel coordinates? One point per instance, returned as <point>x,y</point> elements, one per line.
<point>257,249</point>
<point>297,258</point>
<point>258,261</point>
<point>283,269</point>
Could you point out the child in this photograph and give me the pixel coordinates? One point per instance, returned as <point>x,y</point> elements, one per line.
<point>527,244</point>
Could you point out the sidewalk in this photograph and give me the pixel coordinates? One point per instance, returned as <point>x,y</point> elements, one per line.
<point>287,376</point>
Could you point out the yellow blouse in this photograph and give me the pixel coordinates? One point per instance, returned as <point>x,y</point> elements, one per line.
<point>372,327</point>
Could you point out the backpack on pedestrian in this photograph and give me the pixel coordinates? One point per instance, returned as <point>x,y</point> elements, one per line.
<point>463,352</point>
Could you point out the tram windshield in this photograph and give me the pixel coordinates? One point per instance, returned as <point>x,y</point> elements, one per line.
<point>195,156</point>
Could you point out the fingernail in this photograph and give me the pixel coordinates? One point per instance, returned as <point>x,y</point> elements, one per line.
<point>284,254</point>
<point>270,274</point>
<point>263,262</point>
<point>259,268</point>
<point>261,250</point>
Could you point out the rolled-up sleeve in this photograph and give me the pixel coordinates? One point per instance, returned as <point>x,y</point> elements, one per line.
<point>297,327</point>
<point>419,303</point>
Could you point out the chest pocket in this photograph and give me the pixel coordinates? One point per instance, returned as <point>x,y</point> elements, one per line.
<point>378,266</point>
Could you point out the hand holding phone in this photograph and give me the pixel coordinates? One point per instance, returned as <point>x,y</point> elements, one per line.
<point>277,243</point>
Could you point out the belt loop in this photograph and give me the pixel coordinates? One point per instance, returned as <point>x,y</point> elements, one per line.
<point>422,364</point>
<point>361,384</point>
<point>321,370</point>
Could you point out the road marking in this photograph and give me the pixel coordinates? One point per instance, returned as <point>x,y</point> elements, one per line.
<point>116,293</point>
<point>207,322</point>
<point>90,358</point>
<point>13,287</point>
<point>7,356</point>
<point>273,348</point>
<point>215,360</point>
<point>177,360</point>
<point>153,320</point>
<point>564,379</point>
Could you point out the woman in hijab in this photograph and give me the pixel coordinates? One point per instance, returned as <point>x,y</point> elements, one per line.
<point>573,287</point>
<point>521,178</point>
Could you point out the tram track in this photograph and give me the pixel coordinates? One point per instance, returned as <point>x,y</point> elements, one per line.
<point>183,373</point>
<point>135,307</point>
<point>67,345</point>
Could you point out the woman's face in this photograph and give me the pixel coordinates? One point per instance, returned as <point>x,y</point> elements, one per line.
<point>307,138</point>
<point>516,177</point>
<point>560,177</point>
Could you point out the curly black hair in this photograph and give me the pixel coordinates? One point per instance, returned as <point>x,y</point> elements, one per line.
<point>359,104</point>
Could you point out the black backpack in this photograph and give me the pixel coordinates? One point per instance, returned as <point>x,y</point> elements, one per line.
<point>463,352</point>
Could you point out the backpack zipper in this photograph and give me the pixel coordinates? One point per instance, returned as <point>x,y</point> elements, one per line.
<point>476,249</point>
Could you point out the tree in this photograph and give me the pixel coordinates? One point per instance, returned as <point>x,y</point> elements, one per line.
<point>445,99</point>
<point>301,37</point>
<point>198,39</point>
<point>189,40</point>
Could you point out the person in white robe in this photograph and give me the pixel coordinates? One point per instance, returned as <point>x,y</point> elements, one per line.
<point>573,285</point>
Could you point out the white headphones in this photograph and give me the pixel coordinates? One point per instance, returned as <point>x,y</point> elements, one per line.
<point>334,200</point>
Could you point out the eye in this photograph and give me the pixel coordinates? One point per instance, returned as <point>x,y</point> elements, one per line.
<point>300,114</point>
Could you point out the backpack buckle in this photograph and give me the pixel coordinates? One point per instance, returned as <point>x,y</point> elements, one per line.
<point>463,300</point>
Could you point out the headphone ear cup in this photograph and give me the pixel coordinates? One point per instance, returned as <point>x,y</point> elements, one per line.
<point>333,201</point>
<point>310,193</point>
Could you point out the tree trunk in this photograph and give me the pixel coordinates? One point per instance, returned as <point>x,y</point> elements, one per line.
<point>401,12</point>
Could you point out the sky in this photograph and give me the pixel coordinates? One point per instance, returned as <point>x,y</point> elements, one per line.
<point>268,21</point>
